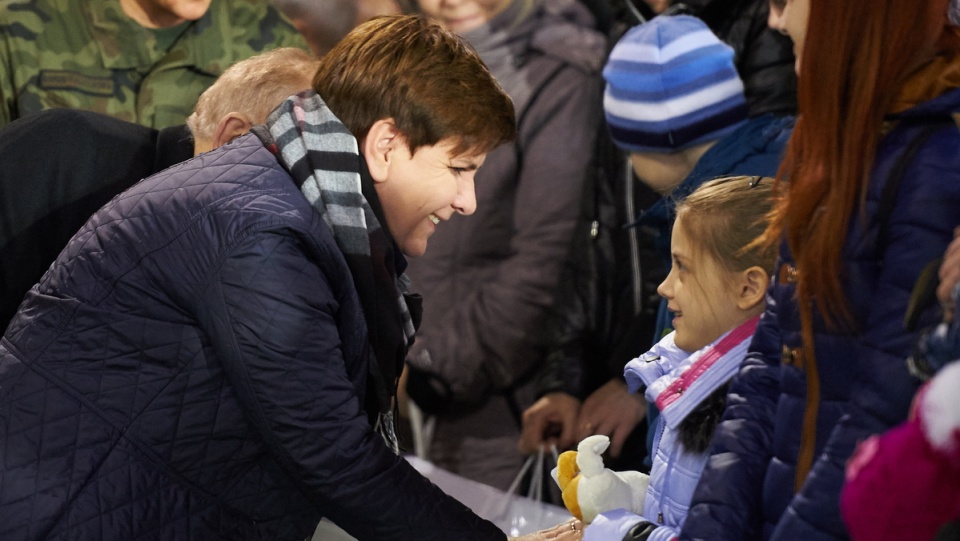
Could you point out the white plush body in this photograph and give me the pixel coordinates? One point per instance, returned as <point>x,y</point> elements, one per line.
<point>600,489</point>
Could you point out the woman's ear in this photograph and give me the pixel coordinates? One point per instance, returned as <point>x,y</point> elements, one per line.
<point>753,288</point>
<point>378,146</point>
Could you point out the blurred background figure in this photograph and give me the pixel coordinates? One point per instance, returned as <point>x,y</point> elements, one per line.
<point>488,282</point>
<point>763,56</point>
<point>78,160</point>
<point>324,22</point>
<point>143,61</point>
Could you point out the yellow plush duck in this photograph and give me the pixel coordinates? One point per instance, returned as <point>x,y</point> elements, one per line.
<point>589,489</point>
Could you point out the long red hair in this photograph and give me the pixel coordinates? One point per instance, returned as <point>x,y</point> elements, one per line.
<point>856,57</point>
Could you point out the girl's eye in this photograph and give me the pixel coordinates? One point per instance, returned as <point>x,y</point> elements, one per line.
<point>458,170</point>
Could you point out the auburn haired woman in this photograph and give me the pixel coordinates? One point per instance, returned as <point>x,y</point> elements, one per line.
<point>870,194</point>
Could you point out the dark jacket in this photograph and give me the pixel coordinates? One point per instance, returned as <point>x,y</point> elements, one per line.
<point>194,366</point>
<point>764,57</point>
<point>57,167</point>
<point>782,406</point>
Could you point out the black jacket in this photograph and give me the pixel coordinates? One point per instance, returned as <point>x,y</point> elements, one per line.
<point>764,58</point>
<point>57,167</point>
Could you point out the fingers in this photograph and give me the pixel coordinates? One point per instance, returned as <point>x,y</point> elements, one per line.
<point>568,434</point>
<point>534,426</point>
<point>553,416</point>
<point>565,531</point>
<point>618,438</point>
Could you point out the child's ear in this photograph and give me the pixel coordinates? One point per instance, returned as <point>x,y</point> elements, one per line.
<point>378,146</point>
<point>753,288</point>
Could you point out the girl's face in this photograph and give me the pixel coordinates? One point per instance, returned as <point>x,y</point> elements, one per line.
<point>700,292</point>
<point>792,21</point>
<point>459,16</point>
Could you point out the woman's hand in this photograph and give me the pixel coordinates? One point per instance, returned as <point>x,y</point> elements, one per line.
<point>565,531</point>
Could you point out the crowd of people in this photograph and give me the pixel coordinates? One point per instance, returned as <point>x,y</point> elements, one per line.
<point>252,253</point>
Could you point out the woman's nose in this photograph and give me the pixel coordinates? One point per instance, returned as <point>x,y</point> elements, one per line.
<point>466,201</point>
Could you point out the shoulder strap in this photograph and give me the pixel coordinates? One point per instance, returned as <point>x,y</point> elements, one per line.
<point>888,197</point>
<point>923,294</point>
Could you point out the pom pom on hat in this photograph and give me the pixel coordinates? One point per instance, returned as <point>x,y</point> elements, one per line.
<point>671,84</point>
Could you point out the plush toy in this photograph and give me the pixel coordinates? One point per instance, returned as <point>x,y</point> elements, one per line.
<point>589,489</point>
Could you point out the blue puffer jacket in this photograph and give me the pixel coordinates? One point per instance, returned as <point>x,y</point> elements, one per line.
<point>782,407</point>
<point>194,366</point>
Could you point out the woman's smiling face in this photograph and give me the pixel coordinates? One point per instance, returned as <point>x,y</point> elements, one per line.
<point>424,189</point>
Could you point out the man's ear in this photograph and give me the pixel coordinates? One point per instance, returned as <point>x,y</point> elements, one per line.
<point>753,288</point>
<point>231,126</point>
<point>383,138</point>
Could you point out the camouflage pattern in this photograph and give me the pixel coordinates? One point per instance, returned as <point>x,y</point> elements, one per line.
<point>87,54</point>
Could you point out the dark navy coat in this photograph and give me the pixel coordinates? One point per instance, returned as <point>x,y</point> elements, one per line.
<point>194,366</point>
<point>781,402</point>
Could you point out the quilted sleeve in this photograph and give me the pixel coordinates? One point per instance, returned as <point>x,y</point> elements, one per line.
<point>280,325</point>
<point>726,504</point>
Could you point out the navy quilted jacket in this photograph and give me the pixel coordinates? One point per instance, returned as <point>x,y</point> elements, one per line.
<point>193,366</point>
<point>781,404</point>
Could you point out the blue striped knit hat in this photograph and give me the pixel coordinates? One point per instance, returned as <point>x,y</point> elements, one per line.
<point>671,84</point>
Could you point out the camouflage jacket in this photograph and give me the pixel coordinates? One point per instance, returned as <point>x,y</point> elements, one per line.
<point>87,54</point>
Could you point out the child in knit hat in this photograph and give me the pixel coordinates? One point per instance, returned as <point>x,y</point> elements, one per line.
<point>672,92</point>
<point>675,104</point>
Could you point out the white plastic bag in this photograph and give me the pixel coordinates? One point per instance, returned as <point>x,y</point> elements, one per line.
<point>514,514</point>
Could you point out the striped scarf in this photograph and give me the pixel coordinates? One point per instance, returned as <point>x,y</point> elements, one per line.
<point>323,158</point>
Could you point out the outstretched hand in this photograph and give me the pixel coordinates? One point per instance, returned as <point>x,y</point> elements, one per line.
<point>611,411</point>
<point>565,531</point>
<point>552,419</point>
